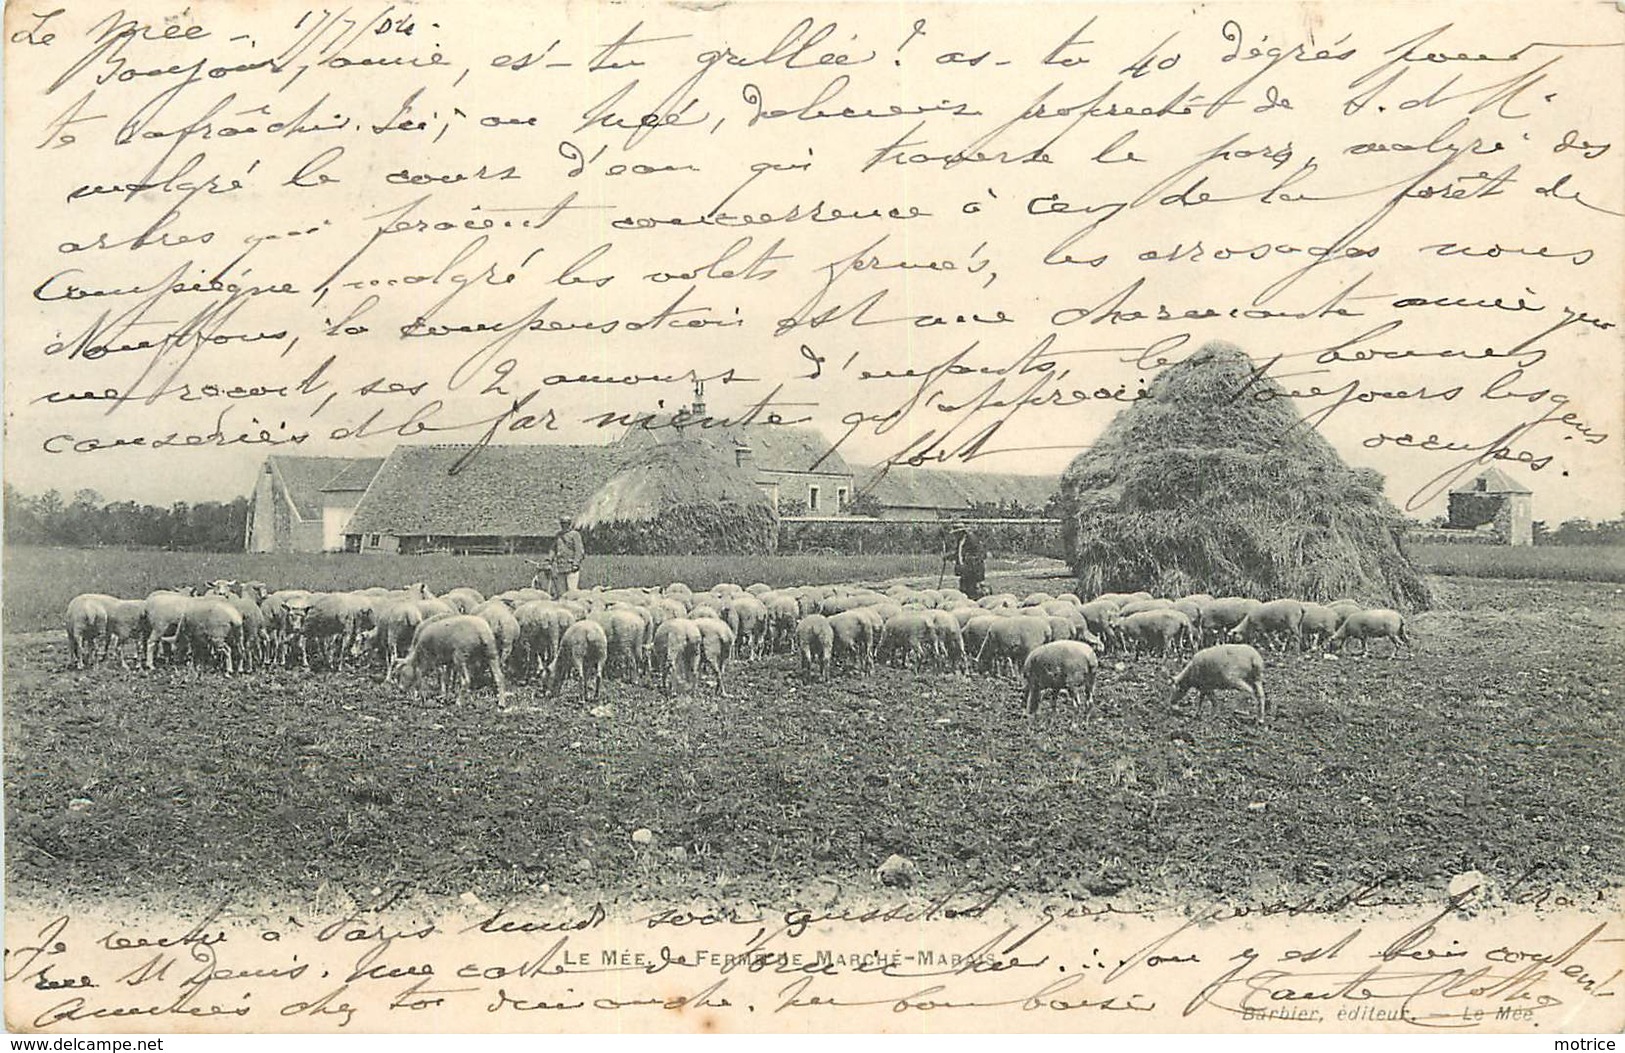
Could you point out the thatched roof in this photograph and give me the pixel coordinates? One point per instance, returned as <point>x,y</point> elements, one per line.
<point>1494,481</point>
<point>304,478</point>
<point>896,486</point>
<point>678,497</point>
<point>502,491</point>
<point>1214,483</point>
<point>774,447</point>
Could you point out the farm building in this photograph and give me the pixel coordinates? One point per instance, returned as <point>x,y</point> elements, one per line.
<point>931,493</point>
<point>1493,502</point>
<point>293,510</point>
<point>501,499</point>
<point>788,464</point>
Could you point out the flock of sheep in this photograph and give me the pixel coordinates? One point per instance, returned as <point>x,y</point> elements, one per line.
<point>675,636</point>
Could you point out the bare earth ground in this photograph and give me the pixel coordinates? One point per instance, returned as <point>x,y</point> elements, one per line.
<point>1497,748</point>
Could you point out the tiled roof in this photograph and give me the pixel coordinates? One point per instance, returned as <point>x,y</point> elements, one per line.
<point>1495,482</point>
<point>774,447</point>
<point>304,478</point>
<point>502,491</point>
<point>358,476</point>
<point>902,487</point>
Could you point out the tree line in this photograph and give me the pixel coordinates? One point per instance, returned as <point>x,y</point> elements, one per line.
<point>87,521</point>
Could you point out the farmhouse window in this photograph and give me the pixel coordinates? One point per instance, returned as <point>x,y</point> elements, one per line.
<point>812,498</point>
<point>840,498</point>
<point>372,540</point>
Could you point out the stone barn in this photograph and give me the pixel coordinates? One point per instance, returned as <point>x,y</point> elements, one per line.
<point>1493,502</point>
<point>500,499</point>
<point>296,509</point>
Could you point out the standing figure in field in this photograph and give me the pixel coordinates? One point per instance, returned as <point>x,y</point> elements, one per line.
<point>970,560</point>
<point>568,552</point>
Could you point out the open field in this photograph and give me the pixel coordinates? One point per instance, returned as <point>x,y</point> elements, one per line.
<point>39,582</point>
<point>1554,562</point>
<point>1496,748</point>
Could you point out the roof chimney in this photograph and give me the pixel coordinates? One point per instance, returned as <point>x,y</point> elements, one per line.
<point>699,398</point>
<point>744,457</point>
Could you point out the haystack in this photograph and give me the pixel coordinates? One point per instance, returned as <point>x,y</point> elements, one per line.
<point>678,498</point>
<point>1215,484</point>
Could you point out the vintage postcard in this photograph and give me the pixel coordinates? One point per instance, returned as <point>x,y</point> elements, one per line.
<point>847,517</point>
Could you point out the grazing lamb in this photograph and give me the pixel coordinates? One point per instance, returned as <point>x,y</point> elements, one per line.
<point>126,623</point>
<point>1223,666</point>
<point>451,647</point>
<point>335,621</point>
<point>625,631</point>
<point>504,626</point>
<point>1012,640</point>
<point>541,624</point>
<point>1157,631</point>
<point>164,610</point>
<point>747,617</point>
<point>676,653</point>
<point>86,624</point>
<point>716,647</point>
<point>855,636</point>
<point>1222,615</point>
<point>393,629</point>
<point>1319,623</point>
<point>1365,626</point>
<point>211,628</point>
<point>1098,615</point>
<point>948,640</point>
<point>582,651</point>
<point>1061,666</point>
<point>1278,620</point>
<point>907,639</point>
<point>815,643</point>
<point>783,612</point>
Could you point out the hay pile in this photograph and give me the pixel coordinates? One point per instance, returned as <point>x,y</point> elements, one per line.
<point>678,498</point>
<point>1197,490</point>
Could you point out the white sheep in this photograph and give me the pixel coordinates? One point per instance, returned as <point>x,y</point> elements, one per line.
<point>1365,626</point>
<point>716,647</point>
<point>450,647</point>
<point>676,653</point>
<point>1319,624</point>
<point>86,622</point>
<point>815,643</point>
<point>1060,666</point>
<point>1221,615</point>
<point>582,650</point>
<point>1280,620</point>
<point>854,633</point>
<point>1221,667</point>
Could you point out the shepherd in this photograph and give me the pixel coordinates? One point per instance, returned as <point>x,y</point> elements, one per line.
<point>568,552</point>
<point>969,558</point>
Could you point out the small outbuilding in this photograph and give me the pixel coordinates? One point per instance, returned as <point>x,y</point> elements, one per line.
<point>1492,501</point>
